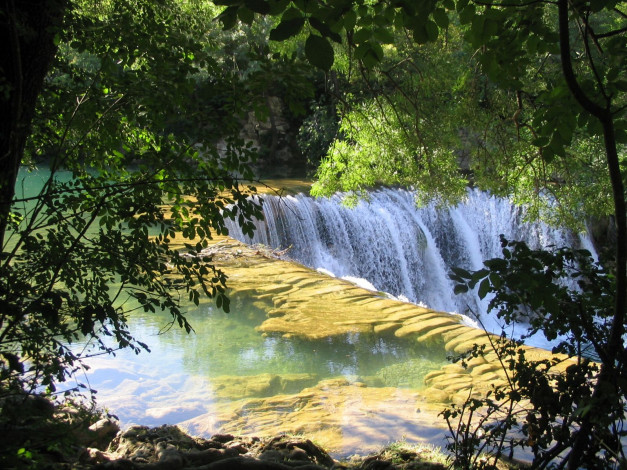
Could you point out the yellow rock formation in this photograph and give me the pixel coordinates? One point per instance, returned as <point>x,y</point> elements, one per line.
<point>300,302</point>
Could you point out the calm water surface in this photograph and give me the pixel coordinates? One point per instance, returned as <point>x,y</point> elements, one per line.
<point>177,380</point>
<point>186,376</point>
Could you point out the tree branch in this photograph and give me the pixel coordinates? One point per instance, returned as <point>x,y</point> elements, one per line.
<point>606,380</point>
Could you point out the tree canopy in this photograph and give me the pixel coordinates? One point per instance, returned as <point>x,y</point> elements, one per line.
<point>137,127</point>
<point>135,108</point>
<point>547,120</point>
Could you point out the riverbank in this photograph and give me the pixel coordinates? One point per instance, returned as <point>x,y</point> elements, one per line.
<point>67,436</point>
<point>168,447</point>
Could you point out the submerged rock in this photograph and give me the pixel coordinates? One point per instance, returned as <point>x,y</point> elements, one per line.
<point>304,304</point>
<point>301,303</point>
<point>342,416</point>
<point>234,387</point>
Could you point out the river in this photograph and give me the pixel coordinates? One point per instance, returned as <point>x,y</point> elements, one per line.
<point>303,351</point>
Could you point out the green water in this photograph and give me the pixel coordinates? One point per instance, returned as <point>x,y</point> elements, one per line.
<point>225,359</point>
<point>225,346</point>
<point>228,344</point>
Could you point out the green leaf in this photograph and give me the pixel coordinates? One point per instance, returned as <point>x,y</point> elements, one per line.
<point>484,288</point>
<point>476,33</point>
<point>432,30</point>
<point>461,4</point>
<point>495,264</point>
<point>278,6</point>
<point>441,18</point>
<point>246,16</point>
<point>324,29</point>
<point>597,5</point>
<point>462,273</point>
<point>383,35</point>
<point>490,28</point>
<point>531,46</point>
<point>621,85</point>
<point>258,6</point>
<point>496,280</point>
<point>467,14</point>
<point>541,141</point>
<point>319,52</point>
<point>287,29</point>
<point>425,32</point>
<point>460,289</point>
<point>228,17</point>
<point>556,146</point>
<point>362,35</point>
<point>291,13</point>
<point>565,128</point>
<point>350,19</point>
<point>621,136</point>
<point>370,53</point>
<point>420,34</point>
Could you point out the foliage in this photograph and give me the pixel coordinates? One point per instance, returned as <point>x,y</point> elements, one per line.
<point>479,428</point>
<point>317,131</point>
<point>399,126</point>
<point>471,81</point>
<point>562,293</point>
<point>277,82</point>
<point>261,68</point>
<point>142,158</point>
<point>552,83</point>
<point>568,297</point>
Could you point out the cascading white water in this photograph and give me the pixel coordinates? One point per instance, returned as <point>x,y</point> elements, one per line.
<point>398,248</point>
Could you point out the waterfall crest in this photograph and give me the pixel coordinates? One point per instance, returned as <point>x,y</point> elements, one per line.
<point>398,248</point>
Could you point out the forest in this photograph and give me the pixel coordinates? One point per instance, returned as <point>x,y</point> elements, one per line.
<point>136,110</point>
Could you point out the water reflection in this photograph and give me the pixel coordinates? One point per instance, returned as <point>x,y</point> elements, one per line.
<point>227,361</point>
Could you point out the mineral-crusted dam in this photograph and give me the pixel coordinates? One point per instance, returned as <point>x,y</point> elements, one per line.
<point>398,248</point>
<point>306,353</point>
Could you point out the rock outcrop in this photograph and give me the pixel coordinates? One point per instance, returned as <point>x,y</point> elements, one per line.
<point>169,448</point>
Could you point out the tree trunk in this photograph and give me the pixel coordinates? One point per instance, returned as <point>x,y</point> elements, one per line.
<point>27,34</point>
<point>606,381</point>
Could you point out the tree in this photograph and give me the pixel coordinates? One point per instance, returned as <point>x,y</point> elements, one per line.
<point>544,406</point>
<point>400,122</point>
<point>138,129</point>
<point>562,64</point>
<point>29,30</point>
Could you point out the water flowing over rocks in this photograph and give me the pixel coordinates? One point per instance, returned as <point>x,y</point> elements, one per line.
<point>303,303</point>
<point>399,248</point>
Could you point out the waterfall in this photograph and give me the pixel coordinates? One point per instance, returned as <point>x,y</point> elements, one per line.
<point>398,248</point>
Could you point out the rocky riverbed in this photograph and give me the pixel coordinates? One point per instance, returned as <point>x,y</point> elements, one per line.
<point>280,410</point>
<point>40,434</point>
